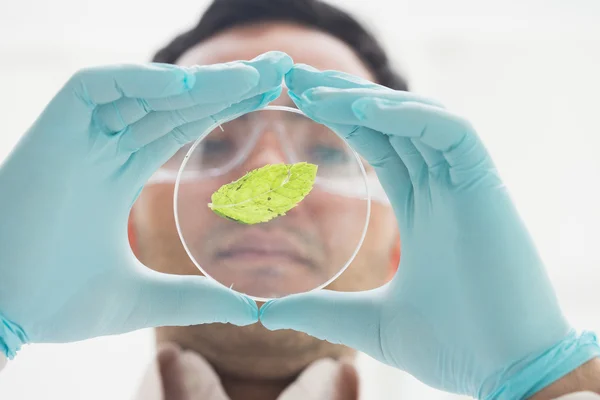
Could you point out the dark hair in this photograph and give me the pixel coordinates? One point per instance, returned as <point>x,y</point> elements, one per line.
<point>225,14</point>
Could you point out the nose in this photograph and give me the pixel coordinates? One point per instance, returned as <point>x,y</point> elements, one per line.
<point>268,150</point>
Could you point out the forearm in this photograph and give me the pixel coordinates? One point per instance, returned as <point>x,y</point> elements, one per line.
<point>586,378</point>
<point>2,361</point>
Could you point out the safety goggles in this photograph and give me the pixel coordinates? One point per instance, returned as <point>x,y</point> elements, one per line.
<point>231,144</point>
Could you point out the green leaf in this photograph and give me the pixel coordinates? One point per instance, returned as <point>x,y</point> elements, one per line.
<point>264,193</point>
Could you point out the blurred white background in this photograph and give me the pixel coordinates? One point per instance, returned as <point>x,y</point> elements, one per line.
<point>526,72</point>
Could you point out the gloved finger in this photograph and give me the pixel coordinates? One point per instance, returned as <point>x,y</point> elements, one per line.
<point>392,168</point>
<point>161,123</point>
<point>215,85</point>
<point>420,159</point>
<point>149,158</point>
<point>106,84</point>
<point>433,158</point>
<point>392,171</point>
<point>326,104</point>
<point>331,105</point>
<point>187,376</point>
<point>218,84</point>
<point>174,300</point>
<point>334,105</point>
<point>271,66</point>
<point>325,379</point>
<point>303,77</point>
<point>352,319</point>
<point>411,157</point>
<point>443,131</point>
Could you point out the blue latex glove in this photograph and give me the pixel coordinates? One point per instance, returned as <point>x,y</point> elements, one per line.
<point>471,309</point>
<point>67,272</point>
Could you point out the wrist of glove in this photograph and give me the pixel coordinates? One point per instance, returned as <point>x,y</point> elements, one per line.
<point>528,376</point>
<point>12,338</point>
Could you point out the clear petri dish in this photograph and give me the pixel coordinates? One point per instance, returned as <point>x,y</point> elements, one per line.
<point>307,248</point>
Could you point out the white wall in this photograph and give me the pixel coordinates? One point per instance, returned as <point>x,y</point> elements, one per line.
<point>525,72</point>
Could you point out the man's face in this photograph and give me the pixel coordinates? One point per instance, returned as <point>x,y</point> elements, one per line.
<point>312,234</point>
<point>290,254</point>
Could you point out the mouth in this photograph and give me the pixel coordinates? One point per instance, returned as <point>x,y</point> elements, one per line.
<point>268,263</point>
<point>271,258</point>
<point>271,250</point>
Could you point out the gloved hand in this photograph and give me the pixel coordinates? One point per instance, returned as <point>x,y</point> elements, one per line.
<point>67,272</point>
<point>178,374</point>
<point>471,309</point>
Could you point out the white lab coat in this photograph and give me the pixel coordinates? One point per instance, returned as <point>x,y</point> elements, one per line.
<point>152,382</point>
